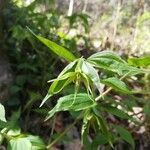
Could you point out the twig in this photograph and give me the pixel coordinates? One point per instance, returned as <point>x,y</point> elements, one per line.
<point>109,89</point>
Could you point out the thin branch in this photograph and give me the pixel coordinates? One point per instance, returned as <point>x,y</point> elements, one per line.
<point>63,133</point>
<point>109,89</point>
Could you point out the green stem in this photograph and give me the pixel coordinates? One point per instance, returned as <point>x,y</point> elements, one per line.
<point>64,132</point>
<point>109,89</point>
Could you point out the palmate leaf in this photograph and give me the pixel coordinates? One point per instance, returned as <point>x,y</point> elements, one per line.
<point>57,49</point>
<point>117,84</point>
<point>81,102</point>
<point>110,61</point>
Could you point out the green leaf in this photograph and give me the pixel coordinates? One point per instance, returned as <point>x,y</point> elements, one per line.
<point>61,82</point>
<point>2,113</point>
<point>82,101</point>
<point>57,49</point>
<point>64,78</point>
<point>87,117</point>
<point>13,121</point>
<point>86,82</point>
<point>117,84</point>
<point>37,143</point>
<point>68,68</point>
<point>100,139</point>
<point>125,135</point>
<point>103,125</point>
<point>3,124</point>
<point>146,109</point>
<point>140,62</point>
<point>111,62</point>
<point>90,71</point>
<point>45,99</point>
<point>19,144</point>
<point>108,55</point>
<point>14,132</point>
<point>117,112</point>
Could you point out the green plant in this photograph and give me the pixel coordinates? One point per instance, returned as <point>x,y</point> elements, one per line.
<point>94,90</point>
<point>90,78</point>
<point>16,140</point>
<point>93,79</point>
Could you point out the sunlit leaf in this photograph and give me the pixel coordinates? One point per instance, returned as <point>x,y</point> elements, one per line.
<point>19,144</point>
<point>140,62</point>
<point>81,102</point>
<point>61,82</point>
<point>68,68</point>
<point>111,62</point>
<point>57,49</point>
<point>90,71</point>
<point>45,99</point>
<point>37,143</point>
<point>117,84</point>
<point>108,55</point>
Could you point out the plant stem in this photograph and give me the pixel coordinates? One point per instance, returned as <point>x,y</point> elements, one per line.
<point>109,89</point>
<point>103,94</point>
<point>64,132</point>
